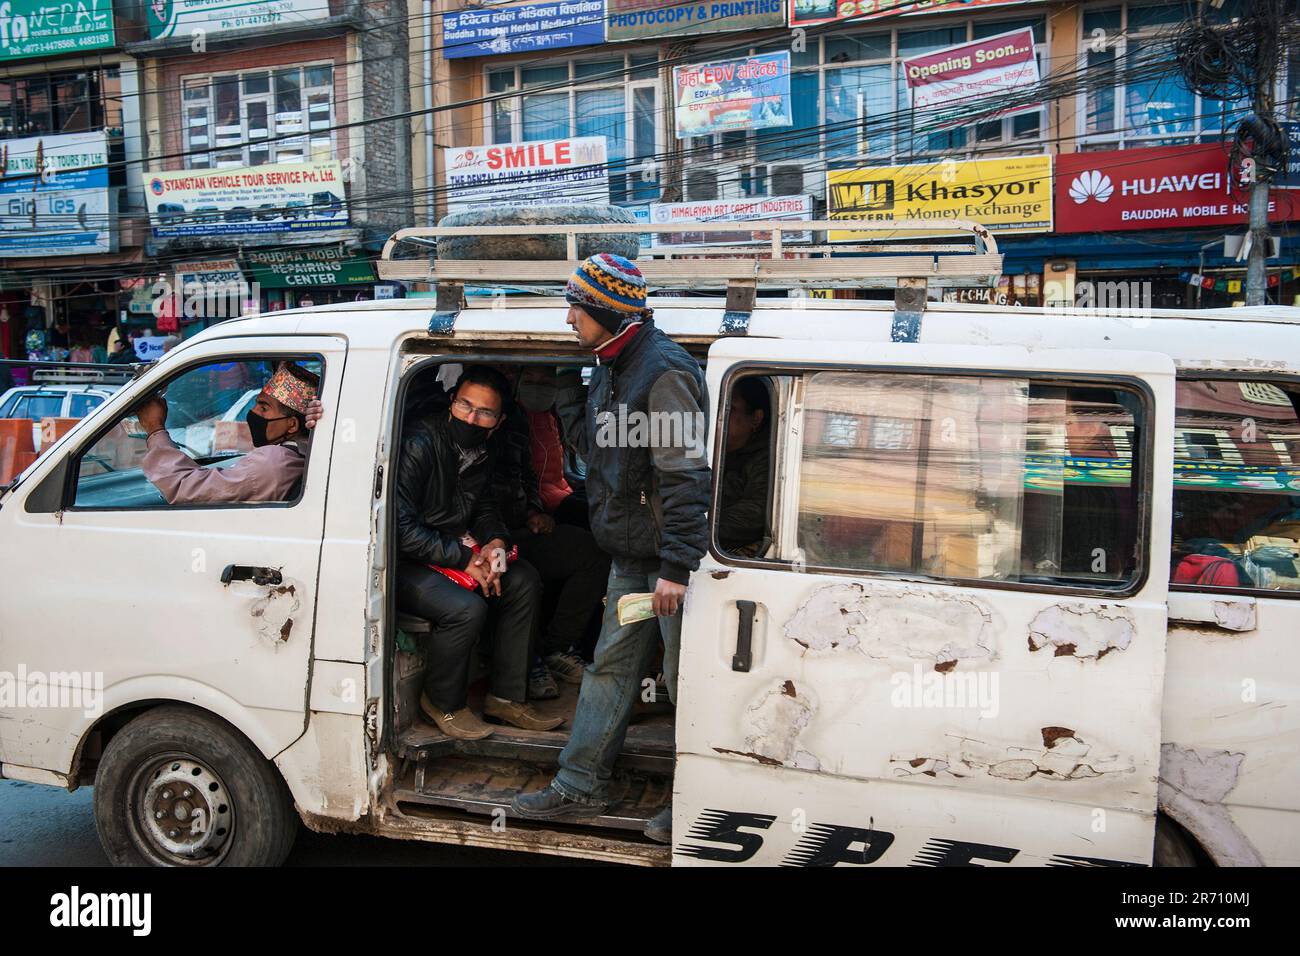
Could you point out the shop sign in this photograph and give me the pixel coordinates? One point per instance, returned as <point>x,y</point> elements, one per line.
<point>296,269</point>
<point>53,27</point>
<point>150,348</point>
<point>243,200</point>
<point>807,12</point>
<point>952,77</point>
<point>1290,177</point>
<point>689,213</point>
<point>180,18</point>
<point>561,171</point>
<point>55,196</point>
<point>1012,195</point>
<point>730,95</point>
<point>641,19</point>
<point>1162,187</point>
<point>523,29</point>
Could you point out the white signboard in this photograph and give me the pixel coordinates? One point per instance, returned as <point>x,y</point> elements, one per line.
<point>691,213</point>
<point>281,197</point>
<point>552,172</point>
<point>985,69</point>
<point>168,18</point>
<point>55,197</point>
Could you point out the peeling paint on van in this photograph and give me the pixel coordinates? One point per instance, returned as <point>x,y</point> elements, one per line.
<point>1082,630</point>
<point>273,613</point>
<point>774,722</point>
<point>895,624</point>
<point>1240,615</point>
<point>1063,755</point>
<point>1193,785</point>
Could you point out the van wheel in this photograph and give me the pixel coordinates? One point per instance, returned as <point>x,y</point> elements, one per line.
<point>538,248</point>
<point>1172,846</point>
<point>177,787</point>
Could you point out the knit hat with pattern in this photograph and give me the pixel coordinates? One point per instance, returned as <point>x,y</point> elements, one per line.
<point>610,289</point>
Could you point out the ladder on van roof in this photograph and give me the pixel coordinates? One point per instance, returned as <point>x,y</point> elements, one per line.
<point>909,268</point>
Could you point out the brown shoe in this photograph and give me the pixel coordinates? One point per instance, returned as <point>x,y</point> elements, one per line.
<point>464,724</point>
<point>518,715</point>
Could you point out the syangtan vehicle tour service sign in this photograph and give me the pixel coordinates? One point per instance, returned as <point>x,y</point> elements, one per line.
<point>178,18</point>
<point>282,197</point>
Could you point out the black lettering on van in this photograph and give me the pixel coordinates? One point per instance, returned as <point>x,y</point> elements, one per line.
<point>723,826</point>
<point>825,845</point>
<point>957,853</point>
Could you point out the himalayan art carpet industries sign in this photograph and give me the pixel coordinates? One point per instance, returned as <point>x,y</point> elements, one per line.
<point>1006,195</point>
<point>299,268</point>
<point>637,19</point>
<point>534,26</point>
<point>750,93</point>
<point>1163,187</point>
<point>179,18</point>
<point>50,27</point>
<point>527,174</point>
<point>247,200</point>
<point>807,12</point>
<point>947,80</point>
<point>691,213</point>
<point>55,196</point>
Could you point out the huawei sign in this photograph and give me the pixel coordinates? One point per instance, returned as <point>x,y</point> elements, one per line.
<point>1093,184</point>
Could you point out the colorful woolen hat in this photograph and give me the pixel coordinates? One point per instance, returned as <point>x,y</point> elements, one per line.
<point>292,386</point>
<point>610,288</point>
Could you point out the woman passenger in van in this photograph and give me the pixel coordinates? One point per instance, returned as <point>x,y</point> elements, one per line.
<point>742,503</point>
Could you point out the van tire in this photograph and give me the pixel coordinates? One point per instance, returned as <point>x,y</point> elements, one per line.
<point>214,765</point>
<point>543,247</point>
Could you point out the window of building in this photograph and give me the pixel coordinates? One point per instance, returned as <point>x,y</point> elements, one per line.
<point>614,97</point>
<point>966,477</point>
<point>1236,487</point>
<point>51,103</point>
<point>231,119</point>
<point>1130,98</point>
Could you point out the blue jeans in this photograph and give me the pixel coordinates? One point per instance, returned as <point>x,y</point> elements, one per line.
<point>610,687</point>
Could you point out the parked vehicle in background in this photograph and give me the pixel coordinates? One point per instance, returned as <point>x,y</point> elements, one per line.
<point>52,401</point>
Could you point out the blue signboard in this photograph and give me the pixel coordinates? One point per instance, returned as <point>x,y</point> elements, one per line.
<point>526,29</point>
<point>1290,177</point>
<point>54,196</point>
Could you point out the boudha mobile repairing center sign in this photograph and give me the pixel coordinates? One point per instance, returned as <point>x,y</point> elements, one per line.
<point>1006,195</point>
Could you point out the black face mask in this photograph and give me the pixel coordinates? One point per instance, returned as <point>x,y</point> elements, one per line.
<point>467,435</point>
<point>257,427</point>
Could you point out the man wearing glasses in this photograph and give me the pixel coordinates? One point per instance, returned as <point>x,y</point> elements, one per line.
<point>448,527</point>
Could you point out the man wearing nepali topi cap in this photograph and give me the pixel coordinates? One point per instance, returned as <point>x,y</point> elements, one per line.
<point>286,407</point>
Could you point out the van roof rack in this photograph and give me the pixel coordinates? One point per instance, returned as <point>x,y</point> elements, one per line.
<point>908,269</point>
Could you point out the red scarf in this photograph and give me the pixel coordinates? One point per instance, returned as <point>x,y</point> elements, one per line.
<point>606,353</point>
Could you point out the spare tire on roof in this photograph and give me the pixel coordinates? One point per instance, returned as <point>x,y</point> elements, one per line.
<point>541,246</point>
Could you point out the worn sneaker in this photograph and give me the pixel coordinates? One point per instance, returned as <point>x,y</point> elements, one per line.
<point>566,666</point>
<point>517,714</point>
<point>549,804</point>
<point>660,827</point>
<point>541,685</point>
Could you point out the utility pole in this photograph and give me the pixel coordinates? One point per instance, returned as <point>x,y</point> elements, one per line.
<point>1262,103</point>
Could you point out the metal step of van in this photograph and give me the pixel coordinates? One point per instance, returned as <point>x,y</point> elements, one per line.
<point>485,785</point>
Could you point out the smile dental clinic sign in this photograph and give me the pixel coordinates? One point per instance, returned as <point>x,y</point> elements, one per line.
<point>528,174</point>
<point>1164,187</point>
<point>990,67</point>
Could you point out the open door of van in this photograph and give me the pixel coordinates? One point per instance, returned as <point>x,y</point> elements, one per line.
<point>945,645</point>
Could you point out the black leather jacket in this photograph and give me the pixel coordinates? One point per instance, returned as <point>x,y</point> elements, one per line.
<point>439,498</point>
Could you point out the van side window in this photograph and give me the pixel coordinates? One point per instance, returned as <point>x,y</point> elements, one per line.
<point>1236,485</point>
<point>205,430</point>
<point>994,479</point>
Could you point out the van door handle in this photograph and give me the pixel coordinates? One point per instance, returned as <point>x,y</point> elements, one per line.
<point>744,656</point>
<point>243,572</point>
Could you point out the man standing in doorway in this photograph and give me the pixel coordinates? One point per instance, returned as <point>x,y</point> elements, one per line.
<point>641,431</point>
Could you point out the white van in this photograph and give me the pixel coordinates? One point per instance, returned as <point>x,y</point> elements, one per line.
<point>957,641</point>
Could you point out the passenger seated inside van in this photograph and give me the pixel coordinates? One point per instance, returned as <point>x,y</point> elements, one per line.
<point>743,499</point>
<point>566,556</point>
<point>453,567</point>
<point>284,411</point>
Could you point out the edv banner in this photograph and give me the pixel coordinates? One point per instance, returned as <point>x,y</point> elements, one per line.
<point>749,93</point>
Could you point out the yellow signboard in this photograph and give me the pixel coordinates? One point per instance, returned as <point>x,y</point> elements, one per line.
<point>1006,195</point>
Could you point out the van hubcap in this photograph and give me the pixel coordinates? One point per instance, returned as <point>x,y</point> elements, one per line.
<point>183,812</point>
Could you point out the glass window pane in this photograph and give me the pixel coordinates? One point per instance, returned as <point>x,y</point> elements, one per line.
<point>1027,125</point>
<point>288,91</point>
<point>321,75</point>
<point>602,113</point>
<point>1143,16</point>
<point>502,121</point>
<point>256,84</point>
<point>608,71</point>
<point>1236,475</point>
<point>1101,92</point>
<point>546,116</point>
<point>539,75</point>
<point>1161,106</point>
<point>868,46</point>
<point>853,94</point>
<point>925,41</point>
<point>645,67</point>
<point>500,81</point>
<point>1109,19</point>
<point>986,29</point>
